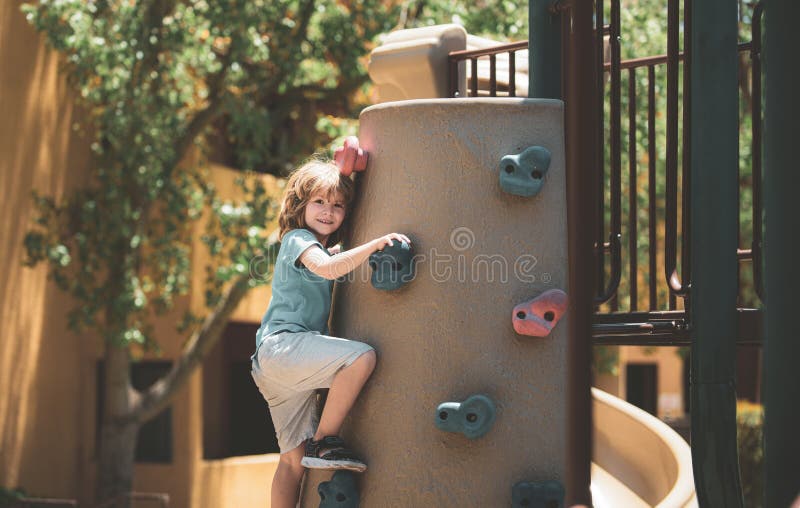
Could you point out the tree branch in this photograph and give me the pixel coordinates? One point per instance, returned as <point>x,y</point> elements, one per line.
<point>152,21</point>
<point>322,93</point>
<point>158,396</point>
<point>306,11</point>
<point>216,85</point>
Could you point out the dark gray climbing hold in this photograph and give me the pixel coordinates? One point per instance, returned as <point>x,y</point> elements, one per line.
<point>473,417</point>
<point>523,174</point>
<point>392,267</point>
<point>549,494</point>
<point>340,492</point>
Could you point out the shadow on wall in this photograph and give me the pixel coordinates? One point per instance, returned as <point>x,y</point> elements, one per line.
<point>39,376</point>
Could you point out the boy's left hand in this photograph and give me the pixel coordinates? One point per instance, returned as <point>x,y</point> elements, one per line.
<point>336,249</point>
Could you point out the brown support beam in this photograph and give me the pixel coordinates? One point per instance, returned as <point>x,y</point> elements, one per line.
<point>581,110</point>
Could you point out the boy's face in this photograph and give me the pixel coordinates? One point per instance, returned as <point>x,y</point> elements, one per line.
<point>324,214</point>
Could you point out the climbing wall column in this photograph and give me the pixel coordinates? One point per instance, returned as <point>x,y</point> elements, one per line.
<point>446,340</point>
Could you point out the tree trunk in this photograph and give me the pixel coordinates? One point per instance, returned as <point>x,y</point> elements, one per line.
<point>117,436</point>
<point>115,468</point>
<point>125,409</point>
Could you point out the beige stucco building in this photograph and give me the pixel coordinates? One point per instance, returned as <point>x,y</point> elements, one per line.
<point>48,375</point>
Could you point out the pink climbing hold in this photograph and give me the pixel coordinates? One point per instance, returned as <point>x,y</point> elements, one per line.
<point>350,157</point>
<point>539,316</point>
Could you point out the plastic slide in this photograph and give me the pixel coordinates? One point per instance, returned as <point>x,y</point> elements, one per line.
<point>638,459</point>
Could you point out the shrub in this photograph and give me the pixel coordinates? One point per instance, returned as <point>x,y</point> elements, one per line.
<point>750,438</point>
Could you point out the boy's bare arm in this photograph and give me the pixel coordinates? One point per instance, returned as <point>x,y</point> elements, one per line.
<point>333,267</point>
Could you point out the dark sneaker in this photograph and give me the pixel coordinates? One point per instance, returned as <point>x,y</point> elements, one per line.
<point>331,453</point>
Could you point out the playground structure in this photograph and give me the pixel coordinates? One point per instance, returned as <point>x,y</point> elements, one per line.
<point>638,460</point>
<point>52,450</point>
<point>446,338</point>
<point>704,323</point>
<point>484,189</point>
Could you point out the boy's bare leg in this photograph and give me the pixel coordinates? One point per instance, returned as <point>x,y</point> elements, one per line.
<point>342,394</point>
<point>287,479</point>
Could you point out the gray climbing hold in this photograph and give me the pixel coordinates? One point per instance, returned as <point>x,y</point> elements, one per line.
<point>340,492</point>
<point>473,417</point>
<point>392,267</point>
<point>549,494</point>
<point>523,174</point>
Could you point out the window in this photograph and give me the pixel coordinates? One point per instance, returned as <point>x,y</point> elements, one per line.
<point>154,441</point>
<point>641,386</point>
<point>236,417</point>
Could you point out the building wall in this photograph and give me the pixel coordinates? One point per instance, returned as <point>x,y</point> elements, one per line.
<point>669,376</point>
<point>48,390</point>
<point>41,410</point>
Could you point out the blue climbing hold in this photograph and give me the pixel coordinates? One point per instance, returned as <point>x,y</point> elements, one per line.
<point>392,267</point>
<point>523,174</point>
<point>549,494</point>
<point>340,492</point>
<point>473,417</point>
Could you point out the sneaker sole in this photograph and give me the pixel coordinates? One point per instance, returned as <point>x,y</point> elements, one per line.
<point>312,463</point>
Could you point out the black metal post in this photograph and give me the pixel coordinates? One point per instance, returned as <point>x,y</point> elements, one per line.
<point>781,274</point>
<point>544,50</point>
<point>714,163</point>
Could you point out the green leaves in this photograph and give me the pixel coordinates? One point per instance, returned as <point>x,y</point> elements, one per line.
<point>499,19</point>
<point>246,224</point>
<point>307,61</point>
<point>59,255</point>
<point>152,75</point>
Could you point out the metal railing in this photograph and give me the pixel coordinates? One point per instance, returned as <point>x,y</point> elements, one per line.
<point>150,498</point>
<point>456,57</point>
<point>662,322</point>
<point>49,502</point>
<point>128,499</point>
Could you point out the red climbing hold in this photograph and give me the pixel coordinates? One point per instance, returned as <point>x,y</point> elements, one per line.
<point>539,316</point>
<point>350,157</point>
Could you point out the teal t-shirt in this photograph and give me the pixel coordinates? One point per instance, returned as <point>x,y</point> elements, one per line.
<point>301,299</point>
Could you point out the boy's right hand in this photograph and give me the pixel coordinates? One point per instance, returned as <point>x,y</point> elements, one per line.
<point>386,240</point>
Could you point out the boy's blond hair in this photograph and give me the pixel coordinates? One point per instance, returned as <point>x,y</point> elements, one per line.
<point>313,177</point>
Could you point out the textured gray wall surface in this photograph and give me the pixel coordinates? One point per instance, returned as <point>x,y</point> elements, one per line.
<point>433,174</point>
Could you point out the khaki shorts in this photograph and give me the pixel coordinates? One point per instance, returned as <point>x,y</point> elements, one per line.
<point>289,368</point>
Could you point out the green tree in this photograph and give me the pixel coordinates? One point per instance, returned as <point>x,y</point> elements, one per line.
<point>324,79</point>
<point>497,19</point>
